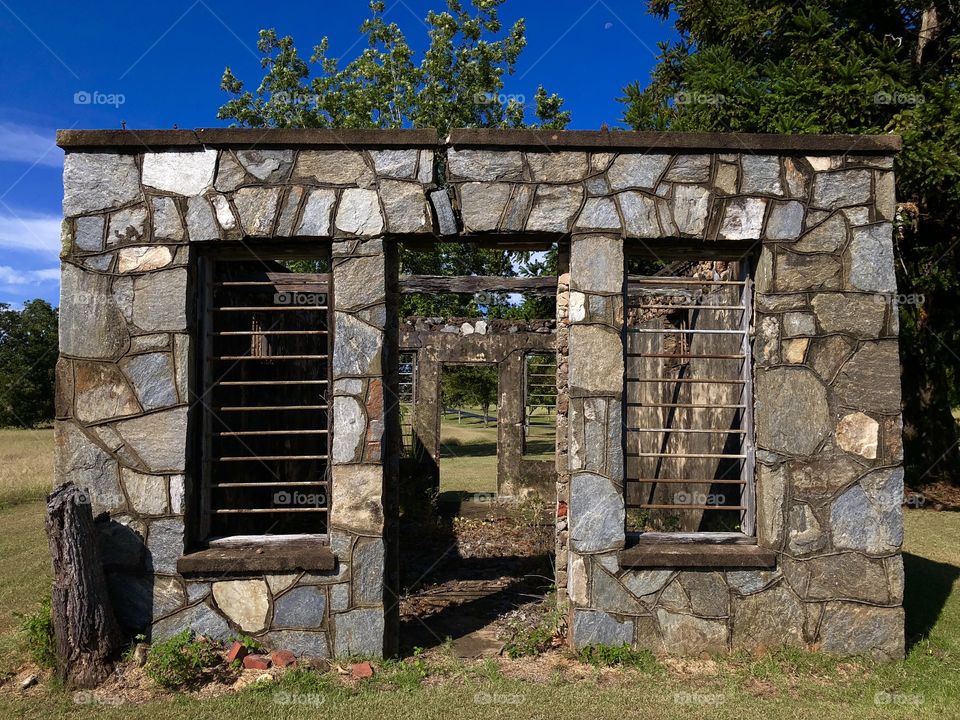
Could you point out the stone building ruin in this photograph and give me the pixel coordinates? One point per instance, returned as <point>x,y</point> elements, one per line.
<point>728,468</point>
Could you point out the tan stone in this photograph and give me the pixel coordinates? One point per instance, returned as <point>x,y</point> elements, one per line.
<point>858,433</point>
<point>142,259</point>
<point>245,602</point>
<point>795,350</point>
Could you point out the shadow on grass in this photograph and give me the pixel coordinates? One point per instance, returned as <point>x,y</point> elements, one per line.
<point>927,588</point>
<point>455,449</point>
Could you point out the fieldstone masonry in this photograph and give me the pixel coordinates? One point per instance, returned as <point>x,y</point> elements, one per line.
<point>816,211</point>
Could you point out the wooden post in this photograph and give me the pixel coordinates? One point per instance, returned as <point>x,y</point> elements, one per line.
<point>87,637</point>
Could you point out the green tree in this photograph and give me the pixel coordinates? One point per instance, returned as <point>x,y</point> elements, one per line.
<point>28,356</point>
<point>458,81</point>
<point>850,66</point>
<point>470,385</point>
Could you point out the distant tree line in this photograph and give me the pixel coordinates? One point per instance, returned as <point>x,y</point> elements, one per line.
<point>28,358</point>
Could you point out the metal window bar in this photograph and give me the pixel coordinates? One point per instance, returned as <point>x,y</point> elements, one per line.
<point>407,378</point>
<point>539,393</point>
<point>688,400</point>
<point>266,370</point>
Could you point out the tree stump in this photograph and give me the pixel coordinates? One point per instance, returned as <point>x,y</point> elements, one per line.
<point>86,635</point>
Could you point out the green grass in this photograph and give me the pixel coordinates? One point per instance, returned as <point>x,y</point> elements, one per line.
<point>26,465</point>
<point>782,685</point>
<point>468,456</point>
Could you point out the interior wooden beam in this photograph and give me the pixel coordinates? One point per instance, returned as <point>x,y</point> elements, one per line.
<point>470,284</point>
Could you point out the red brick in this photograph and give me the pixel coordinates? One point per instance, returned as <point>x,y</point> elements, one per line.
<point>256,662</point>
<point>561,509</point>
<point>282,658</point>
<point>238,651</point>
<point>361,670</point>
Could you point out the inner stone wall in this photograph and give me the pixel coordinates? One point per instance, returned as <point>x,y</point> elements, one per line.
<point>829,478</point>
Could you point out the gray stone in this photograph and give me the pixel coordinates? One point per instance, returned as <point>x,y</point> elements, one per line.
<point>799,323</point>
<point>159,302</point>
<point>771,492</point>
<point>167,224</point>
<point>159,439</point>
<point>120,541</point>
<point>689,168</point>
<point>339,597</point>
<point>359,282</point>
<point>761,175</point>
<point>798,177</point>
<point>868,516</point>
<point>230,173</point>
<point>123,296</point>
<point>266,165</point>
<point>128,226</point>
<point>405,206</point>
<point>146,343</point>
<point>637,170</point>
<point>143,259</point>
<point>358,499</point>
<point>852,313</point>
<point>165,540</point>
<point>279,583</point>
<point>846,576</point>
<point>257,208</point>
<point>81,461</point>
<point>289,209</point>
<point>98,263</point>
<point>596,264</point>
<point>368,569</point>
<point>482,204</point>
<point>98,181</point>
<point>359,212</point>
<point>767,345</point>
<point>88,233</point>
<point>610,596</point>
<point>147,493</point>
<point>350,429</point>
<point>301,607</point>
<point>833,190</point>
<point>316,213</point>
<point>743,219</point>
<point>871,259</point>
<point>829,354</point>
<point>599,214</point>
<point>768,620</point>
<point>807,272</point>
<point>446,220</point>
<point>689,635</point>
<point>334,167</point>
<point>357,350</point>
<point>201,226</point>
<point>425,169</point>
<point>300,643</point>
<point>855,629</point>
<point>183,173</point>
<point>707,591</point>
<point>691,206</point>
<point>485,165</point>
<point>870,380</point>
<point>828,236</point>
<point>359,632</point>
<point>181,364</point>
<point>101,392</point>
<point>639,215</point>
<point>786,221</point>
<point>554,207</point>
<point>400,164</point>
<point>197,591</point>
<point>152,378</point>
<point>199,618</point>
<point>805,535</point>
<point>792,414</point>
<point>596,514</point>
<point>557,167</point>
<point>515,216</point>
<point>132,597</point>
<point>595,439</point>
<point>886,199</point>
<point>596,359</point>
<point>598,628</point>
<point>646,582</point>
<point>91,325</point>
<point>748,582</point>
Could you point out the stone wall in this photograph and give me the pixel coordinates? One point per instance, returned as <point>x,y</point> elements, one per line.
<point>829,479</point>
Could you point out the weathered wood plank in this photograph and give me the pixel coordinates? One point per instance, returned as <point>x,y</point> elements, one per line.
<point>470,284</point>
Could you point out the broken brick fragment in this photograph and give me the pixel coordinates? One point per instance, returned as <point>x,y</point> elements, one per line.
<point>238,651</point>
<point>361,670</point>
<point>256,662</point>
<point>282,658</point>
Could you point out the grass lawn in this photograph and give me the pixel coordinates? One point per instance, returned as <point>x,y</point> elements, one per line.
<point>26,465</point>
<point>468,455</point>
<point>783,685</point>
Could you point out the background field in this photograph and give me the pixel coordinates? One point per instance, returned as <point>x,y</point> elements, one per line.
<point>784,685</point>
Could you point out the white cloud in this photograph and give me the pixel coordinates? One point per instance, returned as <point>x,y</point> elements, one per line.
<point>39,234</point>
<point>12,276</point>
<point>24,144</point>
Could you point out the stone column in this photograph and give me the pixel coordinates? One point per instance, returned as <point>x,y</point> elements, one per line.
<point>358,448</point>
<point>510,425</point>
<point>596,370</point>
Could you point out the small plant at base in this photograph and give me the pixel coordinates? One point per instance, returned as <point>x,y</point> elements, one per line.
<point>38,629</point>
<point>180,661</point>
<point>535,640</point>
<point>623,655</point>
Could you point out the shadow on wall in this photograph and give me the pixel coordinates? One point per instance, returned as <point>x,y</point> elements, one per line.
<point>927,587</point>
<point>131,592</point>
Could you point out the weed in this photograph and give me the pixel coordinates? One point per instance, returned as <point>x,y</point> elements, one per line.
<point>180,661</point>
<point>37,627</point>
<point>537,639</point>
<point>621,655</point>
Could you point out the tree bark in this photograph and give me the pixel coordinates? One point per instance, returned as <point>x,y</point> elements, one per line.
<point>87,637</point>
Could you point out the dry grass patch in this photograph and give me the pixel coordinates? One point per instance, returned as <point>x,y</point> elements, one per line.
<point>26,465</point>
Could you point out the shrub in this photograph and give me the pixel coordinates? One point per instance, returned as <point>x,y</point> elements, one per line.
<point>37,627</point>
<point>180,661</point>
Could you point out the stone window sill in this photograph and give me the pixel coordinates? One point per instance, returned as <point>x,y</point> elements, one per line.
<point>273,556</point>
<point>735,553</point>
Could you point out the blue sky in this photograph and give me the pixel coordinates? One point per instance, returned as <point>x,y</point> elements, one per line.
<point>165,60</point>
